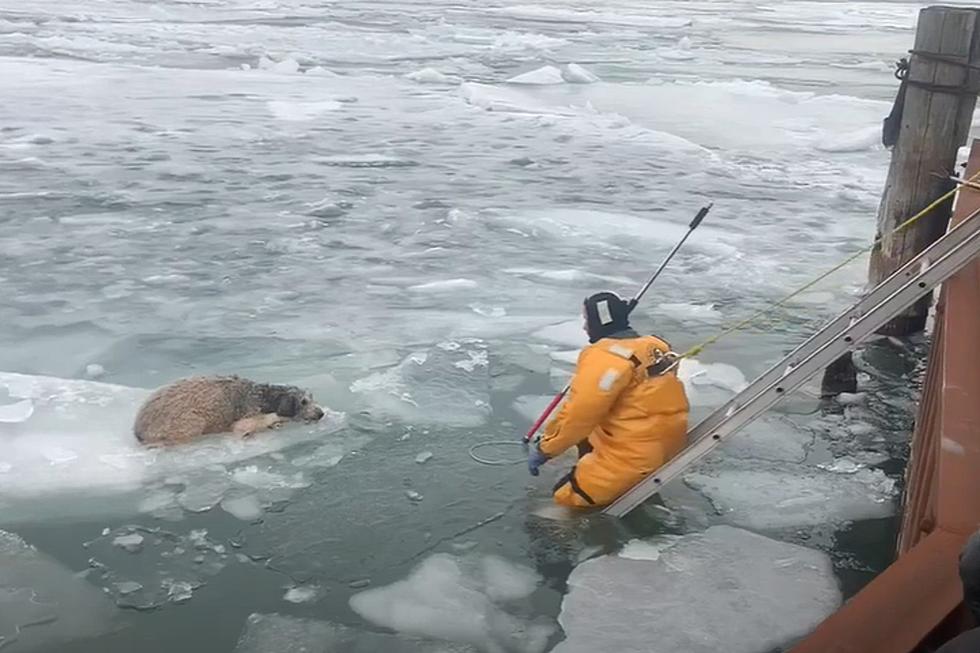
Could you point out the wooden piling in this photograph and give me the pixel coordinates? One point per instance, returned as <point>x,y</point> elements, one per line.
<point>918,599</point>
<point>933,117</point>
<point>840,376</point>
<point>940,96</point>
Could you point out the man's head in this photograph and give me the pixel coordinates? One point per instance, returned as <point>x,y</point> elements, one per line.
<point>605,313</point>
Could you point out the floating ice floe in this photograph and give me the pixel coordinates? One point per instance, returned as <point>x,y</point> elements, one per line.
<point>459,600</point>
<point>725,589</point>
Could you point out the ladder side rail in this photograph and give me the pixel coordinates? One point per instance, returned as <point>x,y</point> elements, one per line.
<point>826,333</point>
<point>930,275</point>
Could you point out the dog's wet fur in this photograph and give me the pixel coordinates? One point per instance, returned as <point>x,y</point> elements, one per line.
<point>201,405</point>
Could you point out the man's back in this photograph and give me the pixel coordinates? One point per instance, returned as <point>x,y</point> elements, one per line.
<point>622,401</point>
<point>648,421</point>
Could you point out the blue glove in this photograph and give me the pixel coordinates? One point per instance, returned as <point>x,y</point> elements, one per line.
<point>535,459</point>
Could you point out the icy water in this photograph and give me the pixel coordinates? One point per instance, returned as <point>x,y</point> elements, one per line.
<point>400,205</point>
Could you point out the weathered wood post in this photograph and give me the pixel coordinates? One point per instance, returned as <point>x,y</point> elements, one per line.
<point>840,376</point>
<point>940,96</point>
<point>929,123</point>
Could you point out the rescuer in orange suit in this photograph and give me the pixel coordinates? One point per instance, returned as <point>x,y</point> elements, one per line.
<point>624,413</point>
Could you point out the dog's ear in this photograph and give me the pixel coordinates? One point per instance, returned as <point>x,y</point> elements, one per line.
<point>288,406</point>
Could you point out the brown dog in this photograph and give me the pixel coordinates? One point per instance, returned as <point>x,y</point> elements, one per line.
<point>200,405</point>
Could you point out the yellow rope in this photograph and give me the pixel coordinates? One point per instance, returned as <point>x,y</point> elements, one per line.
<point>697,349</point>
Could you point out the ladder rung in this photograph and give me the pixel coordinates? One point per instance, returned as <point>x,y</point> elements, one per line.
<point>913,280</point>
<point>838,324</point>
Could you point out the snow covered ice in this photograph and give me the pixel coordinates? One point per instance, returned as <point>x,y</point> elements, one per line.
<point>83,430</point>
<point>401,206</point>
<point>694,373</point>
<point>576,74</point>
<point>17,412</point>
<point>428,76</point>
<point>768,496</point>
<point>244,506</point>
<point>545,75</point>
<point>457,600</point>
<point>131,542</point>
<point>723,589</point>
<point>301,594</point>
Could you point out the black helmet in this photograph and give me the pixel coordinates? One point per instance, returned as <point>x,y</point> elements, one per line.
<point>605,314</point>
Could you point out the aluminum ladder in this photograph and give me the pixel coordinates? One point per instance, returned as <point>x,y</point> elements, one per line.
<point>904,287</point>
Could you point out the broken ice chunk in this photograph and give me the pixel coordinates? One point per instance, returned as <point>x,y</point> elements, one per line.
<point>751,594</point>
<point>784,496</point>
<point>131,542</point>
<point>245,507</point>
<point>204,490</point>
<point>305,594</point>
<point>456,600</point>
<point>18,412</point>
<point>179,591</point>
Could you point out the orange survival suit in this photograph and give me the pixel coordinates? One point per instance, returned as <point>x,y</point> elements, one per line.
<point>624,414</point>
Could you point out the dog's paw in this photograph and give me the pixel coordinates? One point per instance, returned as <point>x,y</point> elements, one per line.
<point>243,428</point>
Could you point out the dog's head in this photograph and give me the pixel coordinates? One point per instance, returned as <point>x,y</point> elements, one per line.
<point>298,405</point>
